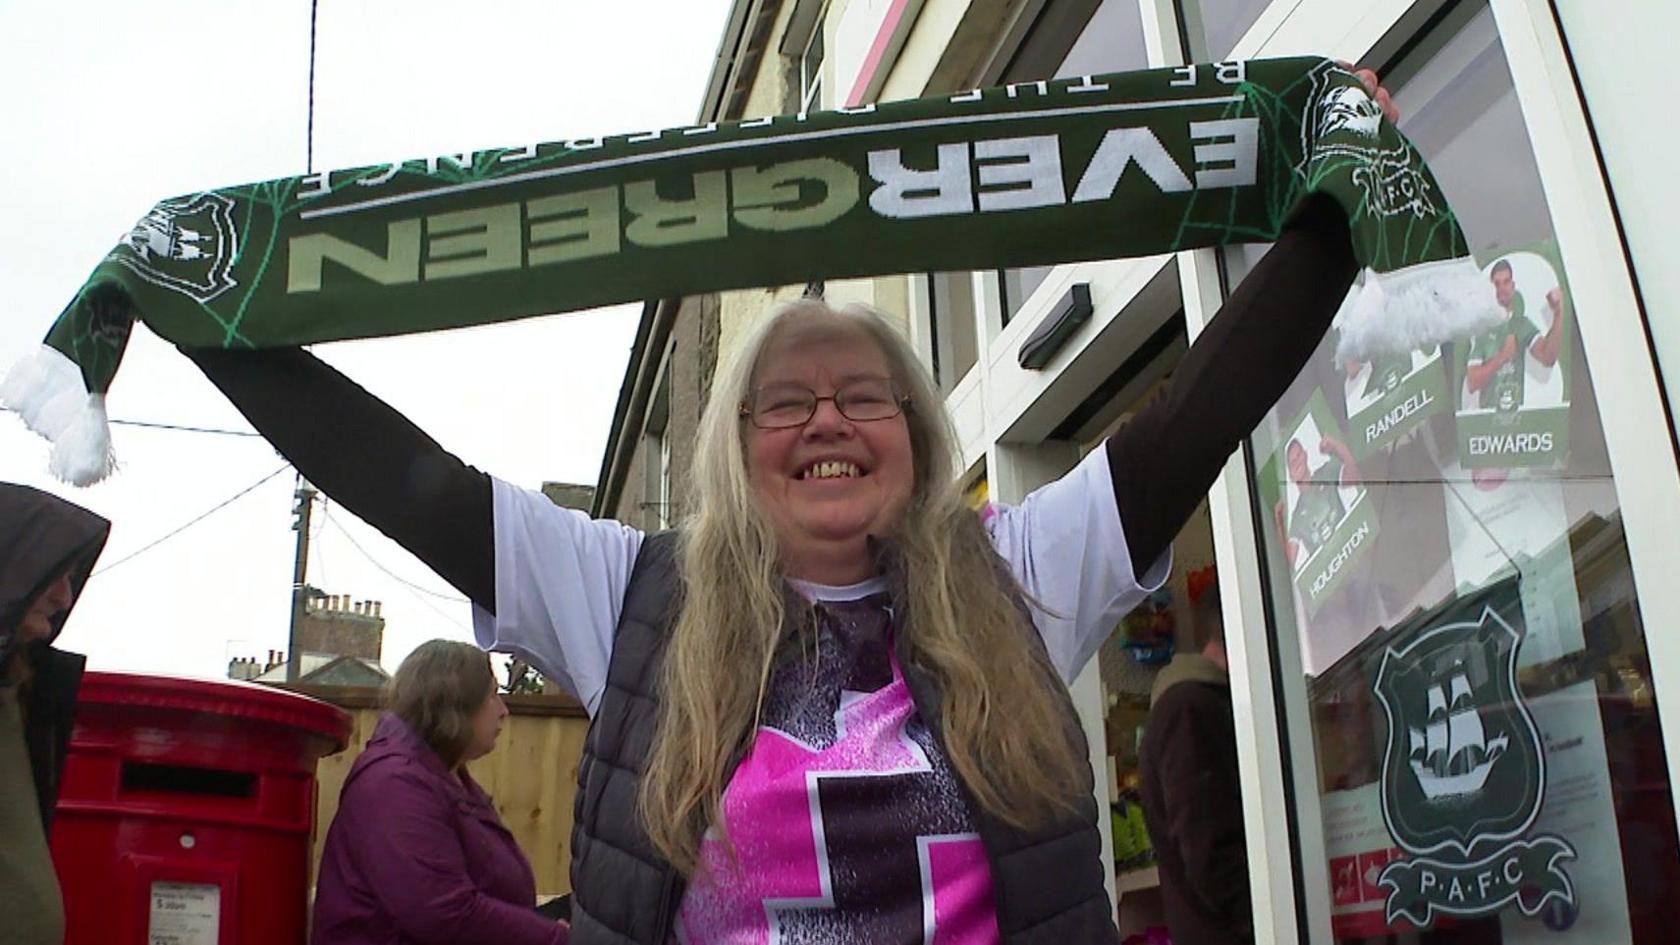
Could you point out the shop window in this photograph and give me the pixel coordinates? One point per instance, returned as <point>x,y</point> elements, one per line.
<point>1174,637</point>
<point>1211,28</point>
<point>810,71</point>
<point>1444,548</point>
<point>1110,40</point>
<point>1015,286</point>
<point>977,488</point>
<point>665,517</point>
<point>1175,634</point>
<point>657,511</point>
<point>952,326</point>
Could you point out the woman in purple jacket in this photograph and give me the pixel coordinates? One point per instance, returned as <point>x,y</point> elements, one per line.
<point>417,854</point>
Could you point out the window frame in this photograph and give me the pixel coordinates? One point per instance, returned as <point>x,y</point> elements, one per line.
<point>811,74</point>
<point>1291,904</point>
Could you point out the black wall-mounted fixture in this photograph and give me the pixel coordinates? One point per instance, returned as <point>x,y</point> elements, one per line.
<point>1071,311</point>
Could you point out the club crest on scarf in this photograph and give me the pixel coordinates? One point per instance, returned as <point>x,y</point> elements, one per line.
<point>187,244</point>
<point>1464,770</point>
<point>1342,123</point>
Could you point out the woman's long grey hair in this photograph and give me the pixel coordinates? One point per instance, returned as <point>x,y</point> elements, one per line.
<point>1003,713</point>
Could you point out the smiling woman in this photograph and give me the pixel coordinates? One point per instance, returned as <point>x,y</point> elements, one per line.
<point>828,447</point>
<point>834,698</point>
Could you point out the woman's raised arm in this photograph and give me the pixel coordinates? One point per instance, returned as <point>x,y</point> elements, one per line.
<point>1062,542</point>
<point>368,458</point>
<point>1166,457</point>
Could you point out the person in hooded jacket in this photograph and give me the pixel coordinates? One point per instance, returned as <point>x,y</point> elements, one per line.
<point>47,550</point>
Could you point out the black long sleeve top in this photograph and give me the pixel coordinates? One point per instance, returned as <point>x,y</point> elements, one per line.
<point>1163,460</point>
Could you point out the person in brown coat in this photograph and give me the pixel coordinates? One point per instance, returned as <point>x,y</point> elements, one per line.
<point>1192,796</point>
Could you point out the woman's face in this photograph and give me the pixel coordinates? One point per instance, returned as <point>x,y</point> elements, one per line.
<point>832,482</point>
<point>486,724</point>
<point>37,620</point>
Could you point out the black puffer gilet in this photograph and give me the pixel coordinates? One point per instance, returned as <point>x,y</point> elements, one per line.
<point>1048,883</point>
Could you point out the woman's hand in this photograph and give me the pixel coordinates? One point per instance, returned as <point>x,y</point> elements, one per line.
<point>1374,88</point>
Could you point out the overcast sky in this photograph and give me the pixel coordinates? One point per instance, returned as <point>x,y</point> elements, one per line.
<point>109,106</point>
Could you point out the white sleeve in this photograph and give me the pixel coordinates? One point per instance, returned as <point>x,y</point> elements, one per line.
<point>560,581</point>
<point>1064,543</point>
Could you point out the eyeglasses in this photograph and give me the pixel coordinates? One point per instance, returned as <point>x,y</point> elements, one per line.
<point>779,406</point>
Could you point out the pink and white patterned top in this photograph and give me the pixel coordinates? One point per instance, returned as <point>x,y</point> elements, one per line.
<point>847,822</point>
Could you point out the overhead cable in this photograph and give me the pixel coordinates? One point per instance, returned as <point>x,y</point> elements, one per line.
<point>194,521</point>
<point>388,572</point>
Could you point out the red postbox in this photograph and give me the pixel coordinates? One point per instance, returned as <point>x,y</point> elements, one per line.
<point>187,811</point>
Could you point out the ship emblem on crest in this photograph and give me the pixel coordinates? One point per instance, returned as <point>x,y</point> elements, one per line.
<point>1453,756</point>
<point>187,244</point>
<point>1463,775</point>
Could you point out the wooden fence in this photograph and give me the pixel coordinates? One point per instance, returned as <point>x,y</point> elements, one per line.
<point>532,774</point>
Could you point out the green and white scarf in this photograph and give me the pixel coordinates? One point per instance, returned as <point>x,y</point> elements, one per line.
<point>1094,167</point>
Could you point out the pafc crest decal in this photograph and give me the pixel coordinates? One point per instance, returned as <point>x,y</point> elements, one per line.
<point>1464,770</point>
<point>187,244</point>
